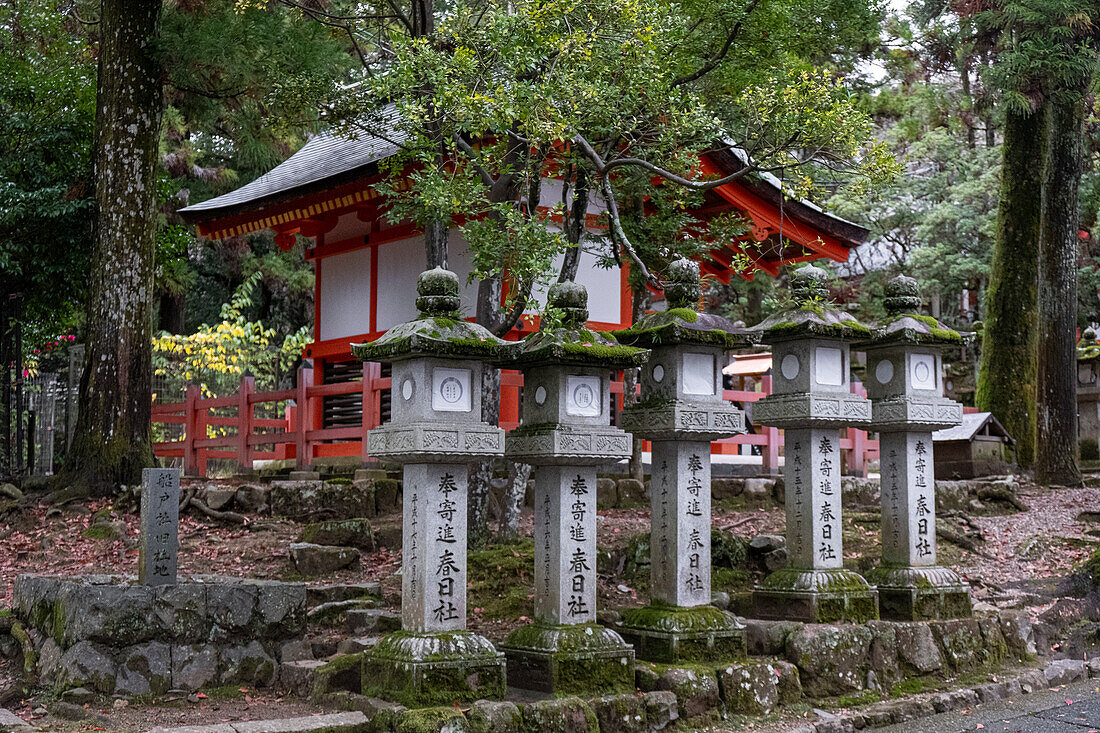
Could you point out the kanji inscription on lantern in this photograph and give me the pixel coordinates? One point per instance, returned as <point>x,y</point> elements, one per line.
<point>159,550</point>
<point>681,544</point>
<point>565,544</point>
<point>813,506</point>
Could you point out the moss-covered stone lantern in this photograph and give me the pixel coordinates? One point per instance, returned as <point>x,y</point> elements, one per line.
<point>565,435</point>
<point>1088,394</point>
<point>435,431</point>
<point>681,411</point>
<point>905,384</point>
<point>811,399</point>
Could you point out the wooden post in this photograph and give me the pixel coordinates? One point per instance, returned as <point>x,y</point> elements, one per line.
<point>191,462</point>
<point>371,403</point>
<point>244,425</point>
<point>857,466</point>
<point>770,452</point>
<point>302,420</point>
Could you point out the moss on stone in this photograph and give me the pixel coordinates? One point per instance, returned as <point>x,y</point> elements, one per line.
<point>98,532</point>
<point>432,720</point>
<point>501,580</point>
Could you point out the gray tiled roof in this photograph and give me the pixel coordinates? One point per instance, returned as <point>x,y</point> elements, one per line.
<point>323,156</point>
<point>972,422</point>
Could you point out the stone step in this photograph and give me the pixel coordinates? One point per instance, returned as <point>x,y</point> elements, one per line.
<point>297,677</point>
<point>317,595</point>
<point>332,723</point>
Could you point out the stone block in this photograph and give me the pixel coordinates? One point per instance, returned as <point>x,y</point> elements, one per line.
<point>298,650</point>
<point>758,490</point>
<point>433,668</point>
<point>341,673</point>
<point>671,634</point>
<point>49,661</point>
<point>768,638</point>
<point>194,666</point>
<point>351,722</point>
<point>787,682</point>
<point>12,723</point>
<point>631,493</point>
<point>431,720</point>
<point>253,497</point>
<point>246,664</point>
<point>696,693</point>
<point>749,689</point>
<point>580,659</point>
<point>646,676</point>
<point>340,533</point>
<point>180,610</point>
<point>620,713</point>
<point>1065,671</point>
<point>87,665</point>
<point>118,615</point>
<point>313,560</point>
<point>1018,633</point>
<point>280,611</point>
<point>884,651</point>
<point>996,648</point>
<point>857,492</point>
<point>562,714</point>
<point>302,500</point>
<point>960,641</point>
<point>492,716</point>
<point>297,677</point>
<point>661,709</point>
<point>726,488</point>
<point>318,594</point>
<point>607,493</point>
<point>144,669</point>
<point>831,660</point>
<point>33,599</point>
<point>230,607</point>
<point>918,652</point>
<point>218,498</point>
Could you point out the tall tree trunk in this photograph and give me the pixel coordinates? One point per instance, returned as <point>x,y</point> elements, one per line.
<point>113,440</point>
<point>435,244</point>
<point>639,301</point>
<point>1056,433</point>
<point>480,474</point>
<point>1007,370</point>
<point>514,493</point>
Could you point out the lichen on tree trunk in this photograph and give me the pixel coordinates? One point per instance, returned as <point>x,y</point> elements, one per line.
<point>113,439</point>
<point>1007,370</point>
<point>1056,429</point>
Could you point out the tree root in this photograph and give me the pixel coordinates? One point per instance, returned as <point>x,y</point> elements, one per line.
<point>1001,493</point>
<point>30,659</point>
<point>957,539</point>
<point>189,499</point>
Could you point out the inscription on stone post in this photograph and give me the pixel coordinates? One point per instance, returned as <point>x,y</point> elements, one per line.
<point>681,555</point>
<point>909,519</point>
<point>158,551</point>
<point>433,576</point>
<point>813,505</point>
<point>565,544</point>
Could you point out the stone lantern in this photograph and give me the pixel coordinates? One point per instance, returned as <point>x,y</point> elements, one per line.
<point>435,431</point>
<point>1088,387</point>
<point>905,384</point>
<point>681,411</point>
<point>811,399</point>
<point>565,435</point>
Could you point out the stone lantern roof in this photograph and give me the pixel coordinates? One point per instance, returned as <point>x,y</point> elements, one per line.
<point>812,315</point>
<point>682,323</point>
<point>1087,348</point>
<point>565,341</point>
<point>439,331</point>
<point>907,326</point>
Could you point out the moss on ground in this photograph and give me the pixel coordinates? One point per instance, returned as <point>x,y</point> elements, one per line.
<point>502,580</point>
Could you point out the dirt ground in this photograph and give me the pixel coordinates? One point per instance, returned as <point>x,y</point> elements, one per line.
<point>1020,556</point>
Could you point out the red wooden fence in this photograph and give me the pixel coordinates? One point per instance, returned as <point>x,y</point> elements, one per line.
<point>297,435</point>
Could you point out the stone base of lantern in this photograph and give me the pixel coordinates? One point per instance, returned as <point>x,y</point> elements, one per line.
<point>815,596</point>
<point>434,668</point>
<point>920,593</point>
<point>667,634</point>
<point>569,659</point>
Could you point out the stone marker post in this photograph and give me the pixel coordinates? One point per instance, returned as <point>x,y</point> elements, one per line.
<point>158,545</point>
<point>435,431</point>
<point>565,434</point>
<point>681,411</point>
<point>905,368</point>
<point>811,400</point>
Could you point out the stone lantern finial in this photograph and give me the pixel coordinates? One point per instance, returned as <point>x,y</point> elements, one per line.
<point>437,292</point>
<point>572,299</point>
<point>1088,336</point>
<point>809,283</point>
<point>902,296</point>
<point>682,289</point>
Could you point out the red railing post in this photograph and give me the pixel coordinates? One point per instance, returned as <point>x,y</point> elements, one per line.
<point>244,424</point>
<point>770,451</point>
<point>191,462</point>
<point>857,466</point>
<point>302,457</point>
<point>372,407</point>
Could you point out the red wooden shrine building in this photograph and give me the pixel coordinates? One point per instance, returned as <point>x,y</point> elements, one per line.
<point>366,269</point>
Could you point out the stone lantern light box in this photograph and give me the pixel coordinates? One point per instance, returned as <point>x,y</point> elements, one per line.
<point>905,364</point>
<point>435,432</point>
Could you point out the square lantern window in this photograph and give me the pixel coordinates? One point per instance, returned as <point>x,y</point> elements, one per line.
<point>698,374</point>
<point>451,390</point>
<point>924,372</point>
<point>582,396</point>
<point>829,367</point>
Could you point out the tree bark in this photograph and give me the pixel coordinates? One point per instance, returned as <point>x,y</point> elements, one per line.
<point>639,301</point>
<point>515,492</point>
<point>113,440</point>
<point>1007,370</point>
<point>1056,430</point>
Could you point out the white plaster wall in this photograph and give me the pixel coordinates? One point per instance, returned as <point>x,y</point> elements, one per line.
<point>604,289</point>
<point>399,264</point>
<point>345,294</point>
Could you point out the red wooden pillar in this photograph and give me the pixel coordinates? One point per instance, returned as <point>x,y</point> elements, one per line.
<point>244,425</point>
<point>509,398</point>
<point>191,462</point>
<point>770,452</point>
<point>302,450</point>
<point>372,407</point>
<point>857,463</point>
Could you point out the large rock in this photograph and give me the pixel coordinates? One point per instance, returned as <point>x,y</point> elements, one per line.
<point>492,716</point>
<point>182,612</point>
<point>305,500</point>
<point>87,665</point>
<point>340,533</point>
<point>726,487</point>
<point>33,599</point>
<point>661,709</point>
<point>769,638</point>
<point>1065,671</point>
<point>758,490</point>
<point>696,692</point>
<point>110,614</point>
<point>314,560</point>
<point>562,714</point>
<point>831,660</point>
<point>194,666</point>
<point>1018,633</point>
<point>145,669</point>
<point>632,493</point>
<point>787,683</point>
<point>960,640</point>
<point>607,493</point>
<point>857,492</point>
<point>280,610</point>
<point>49,662</point>
<point>246,664</point>
<point>749,689</point>
<point>917,649</point>
<point>230,606</point>
<point>620,713</point>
